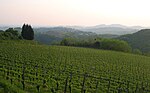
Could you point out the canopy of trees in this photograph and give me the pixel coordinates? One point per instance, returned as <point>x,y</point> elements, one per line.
<point>114,44</point>
<point>27,32</point>
<point>107,44</point>
<point>9,34</point>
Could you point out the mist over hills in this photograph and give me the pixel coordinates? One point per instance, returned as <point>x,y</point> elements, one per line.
<point>4,27</point>
<point>116,29</point>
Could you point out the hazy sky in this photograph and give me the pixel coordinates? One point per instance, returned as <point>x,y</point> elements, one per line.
<point>75,12</point>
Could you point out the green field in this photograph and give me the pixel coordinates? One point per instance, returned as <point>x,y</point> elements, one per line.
<point>59,69</point>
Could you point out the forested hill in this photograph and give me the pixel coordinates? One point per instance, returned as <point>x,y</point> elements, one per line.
<point>139,40</point>
<point>56,34</point>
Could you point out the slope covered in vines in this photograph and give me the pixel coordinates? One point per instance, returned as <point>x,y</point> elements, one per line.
<point>57,69</point>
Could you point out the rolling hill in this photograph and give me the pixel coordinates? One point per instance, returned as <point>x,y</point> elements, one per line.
<point>56,34</point>
<point>139,40</point>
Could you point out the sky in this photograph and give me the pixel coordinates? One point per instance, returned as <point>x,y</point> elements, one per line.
<point>75,12</point>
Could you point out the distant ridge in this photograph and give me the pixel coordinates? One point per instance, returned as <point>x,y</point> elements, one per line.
<point>116,29</point>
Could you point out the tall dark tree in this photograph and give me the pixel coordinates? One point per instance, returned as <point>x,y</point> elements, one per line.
<point>27,32</point>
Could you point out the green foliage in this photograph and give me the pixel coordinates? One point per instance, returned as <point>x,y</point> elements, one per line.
<point>49,69</point>
<point>19,42</point>
<point>6,87</point>
<point>147,54</point>
<point>46,39</point>
<point>9,34</point>
<point>137,51</point>
<point>68,42</point>
<point>139,40</point>
<point>27,32</point>
<point>117,45</point>
<point>14,32</point>
<point>108,44</point>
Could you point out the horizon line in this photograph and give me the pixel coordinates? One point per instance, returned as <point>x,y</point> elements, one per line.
<point>35,25</point>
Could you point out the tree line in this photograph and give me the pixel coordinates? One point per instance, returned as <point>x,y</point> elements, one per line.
<point>102,43</point>
<point>27,33</point>
<point>9,34</point>
<point>99,43</point>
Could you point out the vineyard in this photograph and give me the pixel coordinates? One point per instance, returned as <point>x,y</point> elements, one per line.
<point>59,69</point>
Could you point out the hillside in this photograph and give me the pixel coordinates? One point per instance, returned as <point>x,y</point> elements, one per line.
<point>56,34</point>
<point>139,40</point>
<point>50,69</point>
<point>51,35</point>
